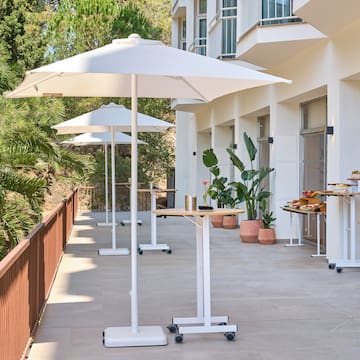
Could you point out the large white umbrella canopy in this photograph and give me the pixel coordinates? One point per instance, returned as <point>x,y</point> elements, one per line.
<point>105,140</point>
<point>136,67</point>
<point>162,72</point>
<point>111,118</point>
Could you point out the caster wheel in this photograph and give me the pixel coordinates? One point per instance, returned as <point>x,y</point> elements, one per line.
<point>139,224</point>
<point>122,224</point>
<point>338,270</point>
<point>169,251</point>
<point>230,336</point>
<point>173,328</point>
<point>222,324</point>
<point>332,266</point>
<point>140,252</point>
<point>179,339</point>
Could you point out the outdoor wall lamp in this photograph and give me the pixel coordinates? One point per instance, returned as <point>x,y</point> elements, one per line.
<point>270,140</point>
<point>329,130</point>
<point>234,146</point>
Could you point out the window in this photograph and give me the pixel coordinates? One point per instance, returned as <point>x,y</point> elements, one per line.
<point>200,41</point>
<point>182,34</point>
<point>229,14</point>
<point>274,10</point>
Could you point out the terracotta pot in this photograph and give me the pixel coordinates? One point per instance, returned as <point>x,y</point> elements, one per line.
<point>217,221</point>
<point>249,230</point>
<point>230,222</point>
<point>266,236</point>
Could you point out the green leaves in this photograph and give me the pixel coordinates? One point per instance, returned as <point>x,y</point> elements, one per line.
<point>249,189</point>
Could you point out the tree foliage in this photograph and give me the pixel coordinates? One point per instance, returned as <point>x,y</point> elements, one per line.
<point>37,32</point>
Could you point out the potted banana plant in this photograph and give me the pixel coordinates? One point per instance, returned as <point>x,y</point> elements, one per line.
<point>249,189</point>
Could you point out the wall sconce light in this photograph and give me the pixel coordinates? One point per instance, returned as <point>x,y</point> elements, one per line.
<point>329,130</point>
<point>234,146</point>
<point>270,140</point>
<point>194,153</point>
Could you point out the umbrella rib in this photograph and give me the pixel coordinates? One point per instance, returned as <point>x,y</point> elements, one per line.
<point>193,88</point>
<point>35,83</point>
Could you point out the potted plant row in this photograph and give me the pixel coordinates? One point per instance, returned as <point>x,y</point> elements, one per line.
<point>249,189</point>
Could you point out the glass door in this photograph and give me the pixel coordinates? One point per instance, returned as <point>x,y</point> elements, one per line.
<point>313,166</point>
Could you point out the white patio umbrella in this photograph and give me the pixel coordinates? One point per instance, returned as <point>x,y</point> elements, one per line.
<point>111,118</point>
<point>135,67</point>
<point>105,140</point>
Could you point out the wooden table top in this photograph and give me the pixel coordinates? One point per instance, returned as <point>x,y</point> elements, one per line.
<point>299,211</point>
<point>183,212</point>
<point>156,190</point>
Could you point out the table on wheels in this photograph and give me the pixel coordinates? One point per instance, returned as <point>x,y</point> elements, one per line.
<point>348,222</point>
<point>203,322</point>
<point>307,213</point>
<point>154,245</point>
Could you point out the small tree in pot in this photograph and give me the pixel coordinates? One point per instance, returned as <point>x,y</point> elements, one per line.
<point>218,189</point>
<point>250,189</point>
<point>266,234</point>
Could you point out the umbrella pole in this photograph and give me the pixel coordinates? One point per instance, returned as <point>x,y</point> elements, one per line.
<point>106,185</point>
<point>106,223</point>
<point>134,335</point>
<point>113,250</point>
<point>113,192</point>
<point>133,205</point>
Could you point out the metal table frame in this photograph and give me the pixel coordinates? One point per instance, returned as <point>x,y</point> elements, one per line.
<point>348,203</point>
<point>299,212</point>
<point>204,321</point>
<point>154,245</point>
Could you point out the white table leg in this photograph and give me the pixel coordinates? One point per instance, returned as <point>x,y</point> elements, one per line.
<point>318,236</point>
<point>202,323</point>
<point>291,243</point>
<point>153,245</point>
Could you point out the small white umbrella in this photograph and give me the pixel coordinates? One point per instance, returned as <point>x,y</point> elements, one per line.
<point>111,118</point>
<point>136,67</point>
<point>105,140</point>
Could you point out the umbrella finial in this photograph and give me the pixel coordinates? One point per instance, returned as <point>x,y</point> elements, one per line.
<point>134,36</point>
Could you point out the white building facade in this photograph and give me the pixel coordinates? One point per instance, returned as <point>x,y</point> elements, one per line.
<point>315,44</point>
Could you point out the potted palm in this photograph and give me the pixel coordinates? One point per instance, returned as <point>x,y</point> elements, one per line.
<point>266,234</point>
<point>217,189</point>
<point>249,189</point>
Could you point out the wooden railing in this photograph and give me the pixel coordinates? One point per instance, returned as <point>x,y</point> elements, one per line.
<point>26,276</point>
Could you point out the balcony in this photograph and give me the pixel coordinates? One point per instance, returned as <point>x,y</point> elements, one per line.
<point>178,8</point>
<point>268,43</point>
<point>328,16</point>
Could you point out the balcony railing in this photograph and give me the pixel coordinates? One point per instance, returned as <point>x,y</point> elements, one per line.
<point>26,276</point>
<point>279,20</point>
<point>225,21</point>
<point>198,46</point>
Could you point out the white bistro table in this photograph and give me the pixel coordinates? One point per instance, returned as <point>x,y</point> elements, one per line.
<point>154,245</point>
<point>307,213</point>
<point>348,222</point>
<point>203,322</point>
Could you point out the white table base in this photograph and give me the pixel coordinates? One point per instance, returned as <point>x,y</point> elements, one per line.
<point>204,322</point>
<point>125,337</point>
<point>114,252</point>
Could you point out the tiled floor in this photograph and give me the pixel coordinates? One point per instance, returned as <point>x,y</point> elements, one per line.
<point>287,305</point>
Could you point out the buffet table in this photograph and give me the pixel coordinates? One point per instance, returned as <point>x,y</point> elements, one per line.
<point>307,213</point>
<point>203,322</point>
